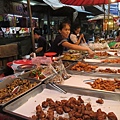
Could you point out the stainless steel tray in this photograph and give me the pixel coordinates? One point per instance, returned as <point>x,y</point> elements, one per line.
<point>10,80</point>
<point>109,64</point>
<point>10,108</point>
<point>104,64</point>
<point>92,73</point>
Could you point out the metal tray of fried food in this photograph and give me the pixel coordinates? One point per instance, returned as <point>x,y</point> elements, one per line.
<point>110,64</point>
<point>91,73</point>
<point>75,72</point>
<point>34,98</point>
<point>101,63</point>
<point>72,57</point>
<point>9,84</point>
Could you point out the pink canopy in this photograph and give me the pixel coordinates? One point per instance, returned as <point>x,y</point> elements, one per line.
<point>86,2</point>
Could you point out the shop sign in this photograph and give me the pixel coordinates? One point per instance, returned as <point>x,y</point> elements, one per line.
<point>19,9</point>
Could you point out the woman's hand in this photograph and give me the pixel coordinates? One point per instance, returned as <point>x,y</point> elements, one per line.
<point>81,35</point>
<point>91,52</point>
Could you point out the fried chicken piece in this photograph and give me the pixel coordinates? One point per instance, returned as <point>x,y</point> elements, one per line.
<point>41,114</point>
<point>88,107</point>
<point>112,116</point>
<point>59,110</point>
<point>38,108</point>
<point>66,109</point>
<point>45,104</point>
<point>71,114</point>
<point>100,101</point>
<point>34,117</point>
<point>101,115</point>
<point>86,117</point>
<point>80,99</point>
<point>50,114</point>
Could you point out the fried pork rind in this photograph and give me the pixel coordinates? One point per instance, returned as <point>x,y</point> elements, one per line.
<point>109,85</point>
<point>80,66</point>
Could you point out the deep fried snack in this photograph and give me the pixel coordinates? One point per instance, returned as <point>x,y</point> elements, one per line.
<point>117,60</point>
<point>101,115</point>
<point>109,85</point>
<point>66,109</point>
<point>5,92</point>
<point>80,99</point>
<point>83,67</point>
<point>100,101</point>
<point>39,108</point>
<point>59,110</point>
<point>50,114</point>
<point>34,117</point>
<point>74,108</point>
<point>112,116</point>
<point>45,104</point>
<point>40,114</point>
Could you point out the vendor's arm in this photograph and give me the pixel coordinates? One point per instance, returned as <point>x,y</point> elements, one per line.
<point>77,47</point>
<point>38,49</point>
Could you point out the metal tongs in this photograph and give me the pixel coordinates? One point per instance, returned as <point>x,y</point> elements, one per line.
<point>56,87</point>
<point>90,80</point>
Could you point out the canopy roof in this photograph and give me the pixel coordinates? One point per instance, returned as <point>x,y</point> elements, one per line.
<point>55,4</point>
<point>87,2</point>
<point>101,16</point>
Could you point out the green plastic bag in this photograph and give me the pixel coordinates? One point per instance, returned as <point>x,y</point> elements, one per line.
<point>111,44</point>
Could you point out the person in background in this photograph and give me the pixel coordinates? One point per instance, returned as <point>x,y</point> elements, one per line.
<point>76,37</point>
<point>118,36</point>
<point>117,45</point>
<point>61,40</point>
<point>40,43</point>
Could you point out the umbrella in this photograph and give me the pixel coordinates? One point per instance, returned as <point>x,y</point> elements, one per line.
<point>101,16</point>
<point>87,2</point>
<point>55,4</point>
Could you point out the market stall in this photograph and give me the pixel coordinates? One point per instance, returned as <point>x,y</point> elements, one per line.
<point>52,87</point>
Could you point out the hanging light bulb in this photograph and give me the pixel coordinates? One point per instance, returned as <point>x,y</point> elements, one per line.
<point>113,0</point>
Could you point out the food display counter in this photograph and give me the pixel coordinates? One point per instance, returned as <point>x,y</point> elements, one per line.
<point>79,97</point>
<point>92,85</point>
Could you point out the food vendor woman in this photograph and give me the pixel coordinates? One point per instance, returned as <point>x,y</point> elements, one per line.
<point>61,40</point>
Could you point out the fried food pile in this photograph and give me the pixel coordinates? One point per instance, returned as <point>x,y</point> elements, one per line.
<point>72,109</point>
<point>109,85</point>
<point>72,57</point>
<point>117,60</point>
<point>80,66</point>
<point>108,70</point>
<point>101,53</point>
<point>37,73</point>
<point>5,93</point>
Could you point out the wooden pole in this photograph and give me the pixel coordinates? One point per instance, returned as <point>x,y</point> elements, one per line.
<point>108,16</point>
<point>31,27</point>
